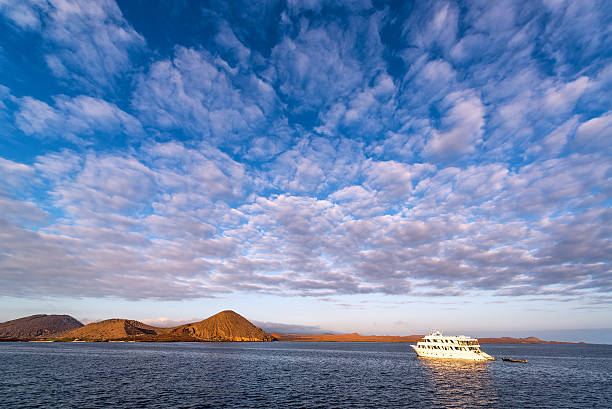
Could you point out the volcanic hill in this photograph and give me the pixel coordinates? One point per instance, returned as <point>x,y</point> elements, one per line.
<point>224,326</point>
<point>38,326</point>
<point>113,329</point>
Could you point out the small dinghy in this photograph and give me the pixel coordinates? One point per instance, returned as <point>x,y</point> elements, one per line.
<point>523,361</point>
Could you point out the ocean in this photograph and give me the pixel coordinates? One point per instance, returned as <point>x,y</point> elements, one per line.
<point>298,375</point>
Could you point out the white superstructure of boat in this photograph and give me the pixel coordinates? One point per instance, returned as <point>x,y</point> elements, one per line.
<point>436,345</point>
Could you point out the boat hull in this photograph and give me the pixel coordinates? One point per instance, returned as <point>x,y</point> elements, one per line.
<point>443,354</point>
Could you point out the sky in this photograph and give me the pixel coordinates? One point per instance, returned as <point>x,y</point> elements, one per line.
<point>385,167</point>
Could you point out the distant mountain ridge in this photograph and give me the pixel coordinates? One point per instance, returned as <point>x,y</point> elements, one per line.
<point>408,338</point>
<point>38,326</point>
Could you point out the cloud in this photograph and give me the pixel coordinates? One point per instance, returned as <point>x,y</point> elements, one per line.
<point>564,97</point>
<point>228,40</point>
<point>323,64</point>
<point>458,230</point>
<point>23,14</point>
<point>15,175</point>
<point>394,180</point>
<point>595,134</point>
<point>108,183</point>
<point>358,201</point>
<point>21,212</point>
<point>462,126</point>
<point>116,229</point>
<point>195,92</point>
<point>553,143</point>
<point>315,164</point>
<point>309,148</point>
<point>365,113</point>
<point>307,85</point>
<point>88,42</point>
<point>439,28</point>
<point>77,119</point>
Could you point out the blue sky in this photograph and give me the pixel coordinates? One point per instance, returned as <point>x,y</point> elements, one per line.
<point>382,167</point>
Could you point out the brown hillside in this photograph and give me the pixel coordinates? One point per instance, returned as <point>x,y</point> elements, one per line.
<point>224,326</point>
<point>113,329</point>
<point>38,326</point>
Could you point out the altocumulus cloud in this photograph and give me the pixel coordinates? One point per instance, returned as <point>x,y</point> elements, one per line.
<point>314,149</point>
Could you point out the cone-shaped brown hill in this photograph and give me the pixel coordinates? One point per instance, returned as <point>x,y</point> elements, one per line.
<point>224,326</point>
<point>114,329</point>
<point>38,326</point>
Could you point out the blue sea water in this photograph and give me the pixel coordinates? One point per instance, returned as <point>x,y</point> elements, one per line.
<point>298,375</point>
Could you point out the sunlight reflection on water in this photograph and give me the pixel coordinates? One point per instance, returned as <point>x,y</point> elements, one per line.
<point>459,383</point>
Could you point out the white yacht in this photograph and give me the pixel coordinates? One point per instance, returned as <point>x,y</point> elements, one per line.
<point>436,345</point>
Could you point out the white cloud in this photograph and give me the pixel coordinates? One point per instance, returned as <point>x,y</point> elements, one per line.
<point>77,119</point>
<point>227,39</point>
<point>553,143</point>
<point>595,134</point>
<point>300,172</point>
<point>91,41</point>
<point>324,64</point>
<point>394,180</point>
<point>434,26</point>
<point>22,13</point>
<point>20,212</point>
<point>462,126</point>
<point>316,165</point>
<point>357,201</point>
<point>195,92</point>
<point>15,175</point>
<point>563,97</point>
<point>152,227</point>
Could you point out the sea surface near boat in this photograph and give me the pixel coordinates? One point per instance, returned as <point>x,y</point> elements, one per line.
<point>298,375</point>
